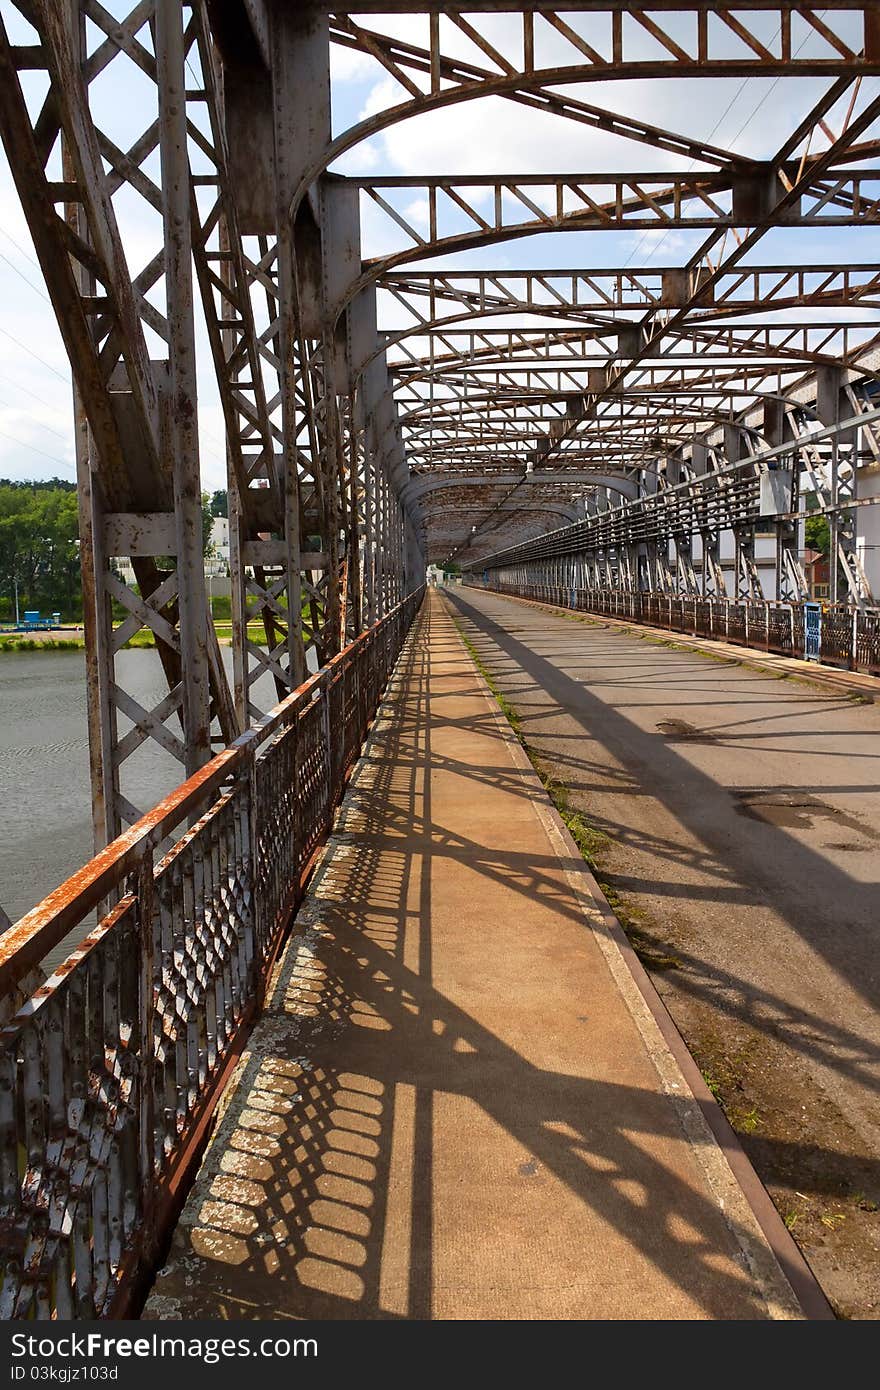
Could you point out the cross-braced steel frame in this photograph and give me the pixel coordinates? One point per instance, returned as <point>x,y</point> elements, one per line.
<point>387,398</point>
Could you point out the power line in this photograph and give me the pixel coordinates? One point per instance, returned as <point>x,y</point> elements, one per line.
<point>774,84</point>
<point>58,435</point>
<point>19,247</point>
<point>717,126</point>
<point>21,275</point>
<point>25,348</point>
<point>33,448</point>
<point>742,128</point>
<point>16,386</point>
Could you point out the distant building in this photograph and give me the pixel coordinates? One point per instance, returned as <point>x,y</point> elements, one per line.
<point>817,571</point>
<point>218,561</point>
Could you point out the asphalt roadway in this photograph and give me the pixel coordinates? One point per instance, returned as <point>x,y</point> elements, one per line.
<point>742,816</point>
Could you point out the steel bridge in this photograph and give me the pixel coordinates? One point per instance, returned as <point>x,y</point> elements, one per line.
<point>637,425</point>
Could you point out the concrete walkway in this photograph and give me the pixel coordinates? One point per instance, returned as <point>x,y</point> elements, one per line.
<point>458,1103</point>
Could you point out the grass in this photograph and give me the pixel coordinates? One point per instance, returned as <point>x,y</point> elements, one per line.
<point>746,1121</point>
<point>589,840</point>
<point>33,644</point>
<point>504,705</point>
<point>712,1082</point>
<point>726,1065</point>
<point>865,1203</point>
<point>832,1219</point>
<point>142,639</point>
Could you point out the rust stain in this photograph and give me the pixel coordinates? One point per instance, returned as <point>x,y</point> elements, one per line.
<point>30,938</point>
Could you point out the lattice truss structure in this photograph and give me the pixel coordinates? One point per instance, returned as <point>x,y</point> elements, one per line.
<point>538,392</point>
<point>392,388</point>
<point>175,239</point>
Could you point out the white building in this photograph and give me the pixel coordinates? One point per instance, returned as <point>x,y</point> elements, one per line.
<point>217,562</point>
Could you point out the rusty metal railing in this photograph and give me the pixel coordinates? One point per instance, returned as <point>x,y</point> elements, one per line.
<point>850,637</point>
<point>109,1071</point>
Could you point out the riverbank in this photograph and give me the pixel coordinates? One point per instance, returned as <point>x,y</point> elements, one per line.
<point>55,640</point>
<point>72,639</point>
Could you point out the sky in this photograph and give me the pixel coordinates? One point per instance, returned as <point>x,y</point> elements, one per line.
<point>751,115</point>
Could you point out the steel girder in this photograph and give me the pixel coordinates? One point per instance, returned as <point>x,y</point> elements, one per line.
<point>301,479</point>
<point>457,394</point>
<point>728,497</point>
<point>369,410</point>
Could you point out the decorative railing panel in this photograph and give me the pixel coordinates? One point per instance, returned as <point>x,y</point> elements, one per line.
<point>71,1128</point>
<point>868,643</point>
<point>109,1070</point>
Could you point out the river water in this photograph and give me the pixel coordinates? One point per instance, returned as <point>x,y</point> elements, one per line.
<point>44,764</point>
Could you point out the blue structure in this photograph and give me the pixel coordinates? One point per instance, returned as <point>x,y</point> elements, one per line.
<point>34,623</point>
<point>812,631</point>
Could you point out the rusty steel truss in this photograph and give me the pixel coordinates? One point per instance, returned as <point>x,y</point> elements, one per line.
<point>321,542</point>
<point>381,406</point>
<point>609,432</point>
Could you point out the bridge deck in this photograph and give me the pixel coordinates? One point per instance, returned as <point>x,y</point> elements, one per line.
<point>457,1103</point>
<point>737,820</point>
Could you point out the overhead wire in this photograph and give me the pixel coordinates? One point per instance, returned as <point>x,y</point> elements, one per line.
<point>11,406</point>
<point>774,84</point>
<point>22,276</point>
<point>18,246</point>
<point>665,235</point>
<point>62,463</point>
<point>24,347</point>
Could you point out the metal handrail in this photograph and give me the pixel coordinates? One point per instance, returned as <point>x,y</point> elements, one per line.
<point>849,636</point>
<point>110,1070</point>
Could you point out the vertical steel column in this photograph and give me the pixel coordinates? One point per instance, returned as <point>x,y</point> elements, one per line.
<point>97,620</point>
<point>372,391</point>
<point>369,550</point>
<point>179,405</point>
<point>294,74</point>
<point>343,349</point>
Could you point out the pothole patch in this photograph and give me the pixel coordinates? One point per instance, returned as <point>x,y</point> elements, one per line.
<point>797,810</point>
<point>680,729</point>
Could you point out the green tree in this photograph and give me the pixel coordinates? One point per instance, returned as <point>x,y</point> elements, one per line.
<point>817,534</point>
<point>39,546</point>
<point>220,502</point>
<point>39,549</point>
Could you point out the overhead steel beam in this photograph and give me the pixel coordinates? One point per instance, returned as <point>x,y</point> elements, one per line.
<point>370,409</point>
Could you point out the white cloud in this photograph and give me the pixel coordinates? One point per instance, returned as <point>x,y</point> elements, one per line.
<point>417,212</point>
<point>364,158</point>
<point>350,64</point>
<point>380,97</point>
